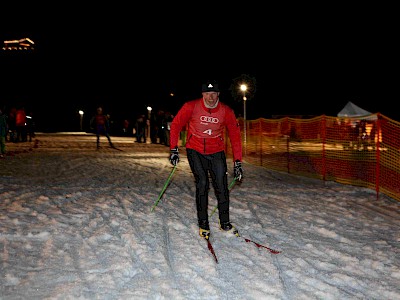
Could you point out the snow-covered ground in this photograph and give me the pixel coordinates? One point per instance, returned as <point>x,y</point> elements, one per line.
<point>76,223</point>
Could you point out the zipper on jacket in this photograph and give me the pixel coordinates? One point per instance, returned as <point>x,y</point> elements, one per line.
<point>204,140</point>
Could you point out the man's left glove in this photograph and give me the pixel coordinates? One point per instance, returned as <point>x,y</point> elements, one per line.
<point>174,157</point>
<point>238,170</point>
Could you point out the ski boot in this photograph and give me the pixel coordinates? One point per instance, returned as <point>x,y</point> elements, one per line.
<point>228,227</point>
<point>204,229</point>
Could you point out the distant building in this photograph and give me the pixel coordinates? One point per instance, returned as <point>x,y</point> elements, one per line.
<point>21,44</point>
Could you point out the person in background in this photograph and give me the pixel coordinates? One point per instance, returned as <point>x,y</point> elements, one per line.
<point>30,126</point>
<point>12,129</point>
<point>155,127</point>
<point>125,127</point>
<point>159,123</point>
<point>3,132</point>
<point>207,118</point>
<point>20,123</point>
<point>100,123</point>
<point>166,126</point>
<point>140,126</point>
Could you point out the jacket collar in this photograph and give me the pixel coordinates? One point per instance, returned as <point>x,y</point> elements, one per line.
<point>216,108</point>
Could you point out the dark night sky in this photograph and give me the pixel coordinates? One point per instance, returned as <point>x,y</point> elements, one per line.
<point>304,65</point>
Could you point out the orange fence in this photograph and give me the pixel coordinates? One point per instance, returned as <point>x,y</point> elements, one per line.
<point>356,151</point>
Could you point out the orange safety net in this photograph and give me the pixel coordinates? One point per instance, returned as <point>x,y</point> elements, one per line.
<point>356,151</point>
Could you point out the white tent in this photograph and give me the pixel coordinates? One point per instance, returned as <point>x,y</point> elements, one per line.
<point>350,110</point>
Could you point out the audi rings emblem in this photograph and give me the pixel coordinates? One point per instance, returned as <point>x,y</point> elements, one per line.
<point>209,119</point>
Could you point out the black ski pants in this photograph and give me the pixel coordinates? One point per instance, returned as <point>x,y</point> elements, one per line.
<point>202,167</point>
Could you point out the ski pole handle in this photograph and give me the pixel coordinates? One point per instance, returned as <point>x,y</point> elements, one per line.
<point>164,188</point>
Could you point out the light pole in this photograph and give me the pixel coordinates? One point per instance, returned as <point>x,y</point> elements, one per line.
<point>81,119</point>
<point>243,88</point>
<point>149,108</point>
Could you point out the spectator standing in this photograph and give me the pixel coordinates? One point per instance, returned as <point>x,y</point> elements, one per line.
<point>30,126</point>
<point>3,132</point>
<point>158,122</point>
<point>207,118</point>
<point>11,125</point>
<point>166,125</point>
<point>140,126</point>
<point>125,127</point>
<point>20,124</point>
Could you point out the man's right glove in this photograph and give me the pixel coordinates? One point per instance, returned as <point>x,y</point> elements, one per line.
<point>174,157</point>
<point>238,170</point>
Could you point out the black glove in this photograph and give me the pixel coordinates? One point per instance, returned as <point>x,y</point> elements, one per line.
<point>238,170</point>
<point>174,157</point>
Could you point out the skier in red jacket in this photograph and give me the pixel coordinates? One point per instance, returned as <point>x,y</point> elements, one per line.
<point>100,123</point>
<point>207,119</point>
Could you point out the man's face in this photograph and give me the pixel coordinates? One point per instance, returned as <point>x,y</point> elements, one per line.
<point>210,98</point>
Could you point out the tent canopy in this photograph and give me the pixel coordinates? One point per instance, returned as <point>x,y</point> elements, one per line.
<point>351,110</point>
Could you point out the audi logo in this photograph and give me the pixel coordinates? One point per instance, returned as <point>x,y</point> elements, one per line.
<point>209,119</point>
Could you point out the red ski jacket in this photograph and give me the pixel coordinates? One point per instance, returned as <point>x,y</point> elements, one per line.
<point>206,128</point>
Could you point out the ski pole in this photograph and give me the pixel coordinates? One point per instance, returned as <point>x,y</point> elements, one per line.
<point>229,188</point>
<point>164,188</point>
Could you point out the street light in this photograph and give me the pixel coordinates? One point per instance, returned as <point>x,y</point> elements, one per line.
<point>243,88</point>
<point>81,119</point>
<point>149,108</point>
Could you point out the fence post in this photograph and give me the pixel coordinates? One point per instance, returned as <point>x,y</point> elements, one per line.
<point>323,135</point>
<point>261,141</point>
<point>378,155</point>
<point>287,144</point>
